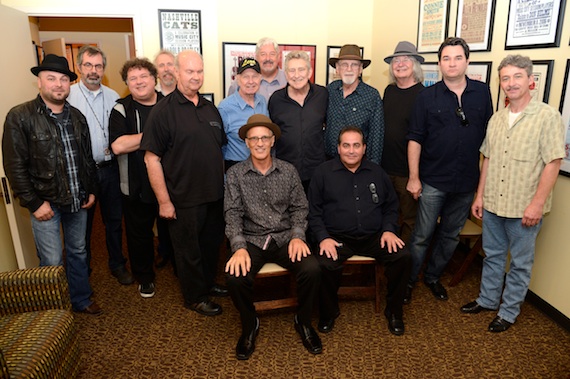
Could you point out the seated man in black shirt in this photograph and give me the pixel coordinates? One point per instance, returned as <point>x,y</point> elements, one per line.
<point>266,218</point>
<point>354,210</point>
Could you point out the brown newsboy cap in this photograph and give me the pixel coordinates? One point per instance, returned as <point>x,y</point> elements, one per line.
<point>349,52</point>
<point>55,63</point>
<point>259,120</point>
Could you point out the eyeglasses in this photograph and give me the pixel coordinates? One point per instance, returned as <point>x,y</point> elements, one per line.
<point>401,60</point>
<point>89,66</point>
<point>372,188</point>
<point>263,139</point>
<point>461,114</point>
<point>346,65</point>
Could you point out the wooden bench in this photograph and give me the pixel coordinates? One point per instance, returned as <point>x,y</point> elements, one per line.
<point>273,270</point>
<point>470,231</point>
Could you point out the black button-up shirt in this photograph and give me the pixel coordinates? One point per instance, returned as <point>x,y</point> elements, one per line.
<point>302,128</point>
<point>358,204</point>
<point>449,159</point>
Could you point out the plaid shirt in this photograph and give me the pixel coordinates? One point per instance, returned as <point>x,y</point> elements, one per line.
<point>71,153</point>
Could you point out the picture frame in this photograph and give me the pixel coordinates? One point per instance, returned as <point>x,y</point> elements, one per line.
<point>565,111</point>
<point>480,71</point>
<point>534,24</point>
<point>180,30</point>
<point>475,23</point>
<point>208,96</point>
<point>233,54</point>
<point>542,71</point>
<point>311,50</point>
<point>433,23</point>
<point>332,52</point>
<point>432,74</point>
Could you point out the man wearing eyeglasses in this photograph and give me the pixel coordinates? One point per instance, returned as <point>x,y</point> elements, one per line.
<point>96,101</point>
<point>266,218</point>
<point>353,102</point>
<point>353,209</point>
<point>447,127</point>
<point>268,55</point>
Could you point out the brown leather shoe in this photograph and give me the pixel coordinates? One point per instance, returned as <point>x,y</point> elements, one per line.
<point>92,309</point>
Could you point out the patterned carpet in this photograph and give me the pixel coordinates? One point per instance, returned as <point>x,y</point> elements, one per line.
<point>158,338</point>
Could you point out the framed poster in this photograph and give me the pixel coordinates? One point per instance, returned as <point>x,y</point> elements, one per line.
<point>432,25</point>
<point>540,89</point>
<point>311,50</point>
<point>475,23</point>
<point>180,30</point>
<point>208,96</point>
<point>332,52</point>
<point>480,71</point>
<point>233,55</point>
<point>431,73</point>
<point>534,24</point>
<point>565,110</point>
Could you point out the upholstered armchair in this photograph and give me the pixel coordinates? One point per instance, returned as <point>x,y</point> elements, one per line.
<point>38,336</point>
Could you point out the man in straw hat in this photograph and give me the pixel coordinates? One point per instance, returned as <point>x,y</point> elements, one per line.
<point>266,218</point>
<point>406,79</point>
<point>58,185</point>
<point>352,102</point>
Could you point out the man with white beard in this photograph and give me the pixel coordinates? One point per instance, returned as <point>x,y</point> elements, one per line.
<point>352,102</point>
<point>96,101</point>
<point>164,62</point>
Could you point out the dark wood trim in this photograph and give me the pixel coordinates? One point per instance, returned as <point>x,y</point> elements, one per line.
<point>556,316</point>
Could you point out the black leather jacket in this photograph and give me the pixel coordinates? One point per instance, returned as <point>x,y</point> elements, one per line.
<point>33,156</point>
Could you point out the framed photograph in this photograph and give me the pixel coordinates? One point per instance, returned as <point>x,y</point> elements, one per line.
<point>332,52</point>
<point>565,110</point>
<point>233,55</point>
<point>475,23</point>
<point>311,50</point>
<point>480,71</point>
<point>540,90</point>
<point>208,96</point>
<point>534,24</point>
<point>432,74</point>
<point>432,25</point>
<point>180,30</point>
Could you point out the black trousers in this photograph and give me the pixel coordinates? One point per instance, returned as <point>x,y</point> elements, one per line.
<point>397,272</point>
<point>196,236</point>
<point>307,274</point>
<point>139,221</point>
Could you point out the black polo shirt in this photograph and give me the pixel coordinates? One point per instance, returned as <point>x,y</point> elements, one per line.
<point>189,140</point>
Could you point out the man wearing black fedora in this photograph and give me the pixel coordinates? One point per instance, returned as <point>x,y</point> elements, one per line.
<point>47,157</point>
<point>353,102</point>
<point>266,218</point>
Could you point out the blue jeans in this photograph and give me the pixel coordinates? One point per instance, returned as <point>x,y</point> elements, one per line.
<point>501,235</point>
<point>110,200</point>
<point>453,210</point>
<point>50,251</point>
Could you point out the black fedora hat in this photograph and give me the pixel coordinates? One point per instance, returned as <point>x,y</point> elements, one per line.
<point>55,63</point>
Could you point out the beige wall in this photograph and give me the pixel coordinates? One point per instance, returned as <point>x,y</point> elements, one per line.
<point>375,25</point>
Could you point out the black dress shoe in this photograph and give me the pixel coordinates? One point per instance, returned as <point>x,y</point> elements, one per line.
<point>310,338</point>
<point>206,308</point>
<point>327,325</point>
<point>219,291</point>
<point>246,343</point>
<point>92,309</point>
<point>473,307</point>
<point>395,324</point>
<point>408,294</point>
<point>438,290</point>
<point>499,325</point>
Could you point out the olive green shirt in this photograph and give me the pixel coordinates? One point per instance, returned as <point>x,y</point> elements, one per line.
<point>518,155</point>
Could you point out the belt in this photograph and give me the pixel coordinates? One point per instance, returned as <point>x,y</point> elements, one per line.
<point>104,164</point>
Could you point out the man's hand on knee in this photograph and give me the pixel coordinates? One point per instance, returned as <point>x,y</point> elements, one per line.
<point>239,263</point>
<point>298,249</point>
<point>328,246</point>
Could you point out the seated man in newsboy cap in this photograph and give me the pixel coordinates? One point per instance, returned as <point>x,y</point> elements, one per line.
<point>266,218</point>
